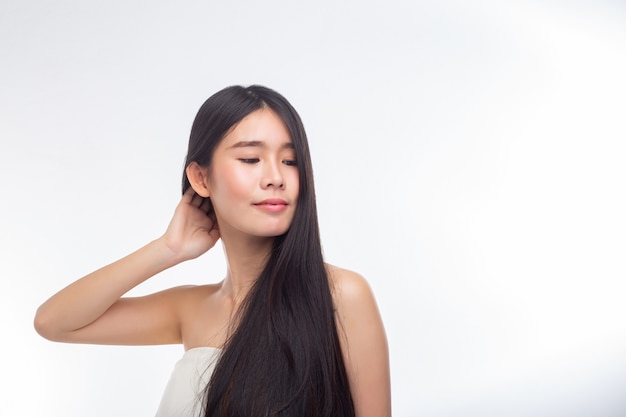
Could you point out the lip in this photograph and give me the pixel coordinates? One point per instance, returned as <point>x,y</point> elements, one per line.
<point>272,201</point>
<point>272,204</point>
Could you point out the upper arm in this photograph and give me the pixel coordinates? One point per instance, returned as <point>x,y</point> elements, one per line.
<point>364,344</point>
<point>147,320</point>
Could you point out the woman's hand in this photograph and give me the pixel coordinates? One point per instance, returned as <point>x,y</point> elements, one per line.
<point>193,230</point>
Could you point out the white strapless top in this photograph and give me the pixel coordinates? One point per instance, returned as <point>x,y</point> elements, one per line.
<point>184,392</point>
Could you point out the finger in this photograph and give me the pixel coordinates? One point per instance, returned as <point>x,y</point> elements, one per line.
<point>188,195</point>
<point>211,214</point>
<point>206,205</point>
<point>197,200</point>
<point>215,232</point>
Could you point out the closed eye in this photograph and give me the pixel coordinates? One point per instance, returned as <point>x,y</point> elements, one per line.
<point>249,160</point>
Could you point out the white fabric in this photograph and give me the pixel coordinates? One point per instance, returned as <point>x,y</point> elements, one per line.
<point>184,391</point>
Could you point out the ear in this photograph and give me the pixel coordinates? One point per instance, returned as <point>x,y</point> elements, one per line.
<point>199,179</point>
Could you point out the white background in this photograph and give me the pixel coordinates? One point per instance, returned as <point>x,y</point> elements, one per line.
<point>469,161</point>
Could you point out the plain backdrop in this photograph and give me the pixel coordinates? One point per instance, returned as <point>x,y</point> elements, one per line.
<point>469,162</point>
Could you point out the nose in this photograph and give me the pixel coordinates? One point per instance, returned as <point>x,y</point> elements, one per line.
<point>272,176</point>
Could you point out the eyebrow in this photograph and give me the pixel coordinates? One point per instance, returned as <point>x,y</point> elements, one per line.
<point>258,143</point>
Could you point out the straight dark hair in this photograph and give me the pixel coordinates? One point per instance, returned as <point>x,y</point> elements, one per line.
<point>284,357</point>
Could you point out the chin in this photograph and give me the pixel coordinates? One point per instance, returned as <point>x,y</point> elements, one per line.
<point>273,232</point>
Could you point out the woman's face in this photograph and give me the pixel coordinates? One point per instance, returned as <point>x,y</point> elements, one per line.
<point>253,178</point>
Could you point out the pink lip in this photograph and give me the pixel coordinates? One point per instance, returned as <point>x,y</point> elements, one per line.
<point>272,201</point>
<point>272,204</point>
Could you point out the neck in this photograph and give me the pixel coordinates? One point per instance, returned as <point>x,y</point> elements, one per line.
<point>245,259</point>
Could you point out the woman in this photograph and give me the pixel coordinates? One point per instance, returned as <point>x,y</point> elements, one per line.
<point>283,334</point>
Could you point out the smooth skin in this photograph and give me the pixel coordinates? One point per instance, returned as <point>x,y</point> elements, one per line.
<point>253,163</point>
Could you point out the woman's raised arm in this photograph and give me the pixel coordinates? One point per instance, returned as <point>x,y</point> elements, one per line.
<point>92,310</point>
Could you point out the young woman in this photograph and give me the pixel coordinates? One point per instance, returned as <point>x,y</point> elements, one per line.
<point>283,334</point>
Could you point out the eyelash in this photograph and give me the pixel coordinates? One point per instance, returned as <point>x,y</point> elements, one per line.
<point>288,162</point>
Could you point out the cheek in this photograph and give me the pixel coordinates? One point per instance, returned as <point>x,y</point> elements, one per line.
<point>233,184</point>
<point>295,180</point>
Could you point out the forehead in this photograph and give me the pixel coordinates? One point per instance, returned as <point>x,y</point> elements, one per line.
<point>261,125</point>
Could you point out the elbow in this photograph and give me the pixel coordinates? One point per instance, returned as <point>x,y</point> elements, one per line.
<point>44,326</point>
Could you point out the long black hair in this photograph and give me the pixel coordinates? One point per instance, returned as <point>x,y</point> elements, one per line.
<point>284,358</point>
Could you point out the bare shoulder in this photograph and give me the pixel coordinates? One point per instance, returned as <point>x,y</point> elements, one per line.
<point>357,311</point>
<point>191,291</point>
<point>350,289</point>
<point>178,297</point>
<point>188,297</point>
<point>183,301</point>
<point>203,318</point>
